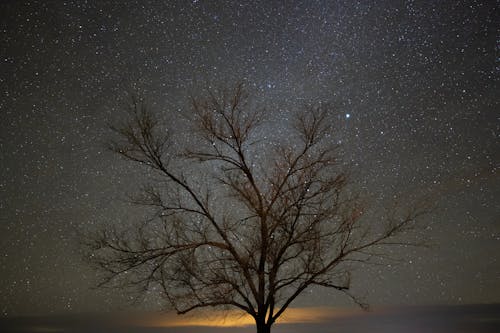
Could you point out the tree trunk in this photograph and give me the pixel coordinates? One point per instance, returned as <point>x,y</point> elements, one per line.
<point>263,328</point>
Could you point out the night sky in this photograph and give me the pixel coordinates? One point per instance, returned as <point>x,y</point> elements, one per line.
<point>414,85</point>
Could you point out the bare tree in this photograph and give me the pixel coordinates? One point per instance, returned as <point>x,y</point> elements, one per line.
<point>239,222</point>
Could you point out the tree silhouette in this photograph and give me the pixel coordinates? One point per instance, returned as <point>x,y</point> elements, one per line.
<point>239,222</point>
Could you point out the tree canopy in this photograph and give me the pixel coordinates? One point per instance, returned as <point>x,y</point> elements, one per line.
<point>239,222</point>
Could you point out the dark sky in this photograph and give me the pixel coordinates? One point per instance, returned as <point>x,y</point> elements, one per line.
<point>414,84</point>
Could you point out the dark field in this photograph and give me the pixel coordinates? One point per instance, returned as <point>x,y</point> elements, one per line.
<point>431,319</point>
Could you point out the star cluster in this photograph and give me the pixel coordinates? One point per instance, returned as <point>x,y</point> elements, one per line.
<point>414,85</point>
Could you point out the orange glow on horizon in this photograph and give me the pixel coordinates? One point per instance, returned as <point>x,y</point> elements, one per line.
<point>235,318</point>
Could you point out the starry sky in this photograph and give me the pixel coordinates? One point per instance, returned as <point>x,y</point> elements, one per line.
<point>414,85</point>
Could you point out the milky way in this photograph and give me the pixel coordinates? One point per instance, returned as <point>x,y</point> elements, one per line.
<point>414,85</point>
